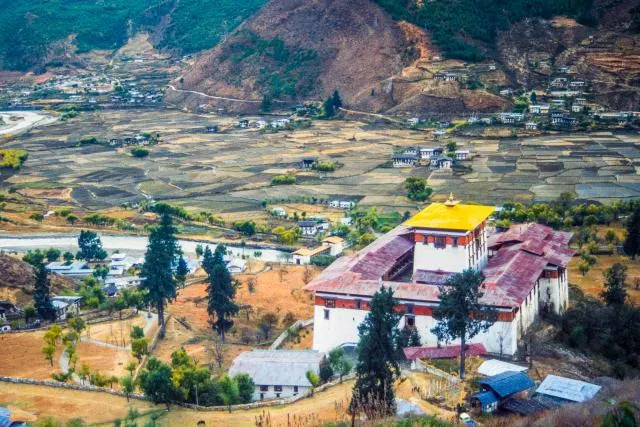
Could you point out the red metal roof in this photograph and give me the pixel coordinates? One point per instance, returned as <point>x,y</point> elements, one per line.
<point>520,256</point>
<point>450,352</point>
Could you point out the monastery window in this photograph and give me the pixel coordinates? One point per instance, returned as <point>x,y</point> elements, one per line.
<point>410,321</point>
<point>277,388</point>
<point>440,242</point>
<point>326,314</point>
<point>358,304</point>
<point>264,388</point>
<point>408,308</point>
<point>295,388</point>
<point>455,242</point>
<point>330,303</point>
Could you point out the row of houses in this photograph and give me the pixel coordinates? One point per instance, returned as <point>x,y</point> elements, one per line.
<point>431,156</point>
<point>263,124</point>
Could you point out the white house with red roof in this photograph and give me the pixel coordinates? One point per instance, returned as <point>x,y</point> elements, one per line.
<point>525,270</point>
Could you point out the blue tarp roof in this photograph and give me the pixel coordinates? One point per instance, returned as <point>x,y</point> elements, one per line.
<point>507,383</point>
<point>486,397</point>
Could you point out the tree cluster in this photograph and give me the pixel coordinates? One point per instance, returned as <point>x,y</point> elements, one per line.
<point>185,381</point>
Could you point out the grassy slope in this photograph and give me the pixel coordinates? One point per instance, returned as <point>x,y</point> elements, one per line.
<point>30,26</point>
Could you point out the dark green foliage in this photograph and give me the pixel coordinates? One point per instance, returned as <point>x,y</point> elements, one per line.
<point>331,105</point>
<point>90,246</point>
<point>453,23</point>
<point>339,362</point>
<point>181,271</point>
<point>246,387</point>
<point>29,26</point>
<point>377,367</point>
<point>626,414</point>
<point>248,228</point>
<point>177,211</point>
<point>408,337</point>
<point>326,370</point>
<point>35,257</point>
<point>42,295</point>
<point>155,382</point>
<point>157,276</point>
<point>611,331</point>
<point>53,254</point>
<point>615,291</point>
<point>139,152</point>
<point>460,314</point>
<point>221,293</point>
<point>632,241</point>
<point>137,332</point>
<point>322,260</point>
<point>417,189</point>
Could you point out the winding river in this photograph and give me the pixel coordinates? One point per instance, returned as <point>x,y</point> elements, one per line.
<point>132,245</point>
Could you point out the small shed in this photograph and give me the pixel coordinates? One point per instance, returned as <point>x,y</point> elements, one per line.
<point>497,389</point>
<point>567,390</point>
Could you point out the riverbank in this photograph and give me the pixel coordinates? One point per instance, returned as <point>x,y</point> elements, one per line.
<point>136,244</point>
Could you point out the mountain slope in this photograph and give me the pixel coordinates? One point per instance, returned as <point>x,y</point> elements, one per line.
<point>35,31</point>
<point>296,49</point>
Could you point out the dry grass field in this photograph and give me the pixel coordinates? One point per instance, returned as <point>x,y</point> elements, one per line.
<point>592,282</point>
<point>22,356</point>
<point>278,290</point>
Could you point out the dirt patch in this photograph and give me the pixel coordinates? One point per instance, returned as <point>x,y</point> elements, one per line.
<point>107,361</point>
<point>47,193</point>
<point>26,359</point>
<point>117,332</point>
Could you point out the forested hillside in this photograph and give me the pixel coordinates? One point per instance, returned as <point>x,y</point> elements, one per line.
<point>33,29</point>
<point>460,27</point>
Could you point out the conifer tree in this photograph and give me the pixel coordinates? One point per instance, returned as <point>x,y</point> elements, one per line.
<point>631,244</point>
<point>377,366</point>
<point>460,314</point>
<point>157,271</point>
<point>181,272</point>
<point>615,292</point>
<point>42,295</point>
<point>221,293</point>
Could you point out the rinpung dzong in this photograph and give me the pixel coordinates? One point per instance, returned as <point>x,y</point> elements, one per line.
<point>525,270</point>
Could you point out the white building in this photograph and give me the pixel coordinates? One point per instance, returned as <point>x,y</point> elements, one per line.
<point>531,126</point>
<point>462,154</point>
<point>277,373</point>
<point>539,109</point>
<point>66,305</point>
<point>404,160</point>
<point>336,243</point>
<point>303,255</point>
<point>77,269</point>
<point>524,270</point>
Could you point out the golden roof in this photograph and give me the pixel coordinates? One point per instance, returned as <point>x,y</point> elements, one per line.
<point>450,216</point>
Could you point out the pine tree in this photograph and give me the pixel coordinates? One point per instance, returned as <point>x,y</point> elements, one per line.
<point>336,100</point>
<point>90,246</point>
<point>615,291</point>
<point>42,296</point>
<point>181,272</point>
<point>460,314</point>
<point>157,271</point>
<point>631,244</point>
<point>207,261</point>
<point>221,293</point>
<point>377,366</point>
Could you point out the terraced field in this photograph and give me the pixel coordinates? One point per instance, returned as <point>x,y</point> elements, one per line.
<point>230,172</point>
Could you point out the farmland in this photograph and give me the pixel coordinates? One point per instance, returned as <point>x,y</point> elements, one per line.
<point>230,172</point>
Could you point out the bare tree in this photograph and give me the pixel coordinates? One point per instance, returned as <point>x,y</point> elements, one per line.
<point>218,351</point>
<point>281,273</point>
<point>307,275</point>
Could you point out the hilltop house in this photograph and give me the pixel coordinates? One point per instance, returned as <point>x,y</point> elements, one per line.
<point>511,118</point>
<point>429,152</point>
<point>524,268</point>
<point>312,227</point>
<point>531,126</point>
<point>9,311</point>
<point>462,154</point>
<point>277,373</point>
<point>441,162</point>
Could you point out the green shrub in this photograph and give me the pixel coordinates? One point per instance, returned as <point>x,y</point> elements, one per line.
<point>283,180</point>
<point>139,152</point>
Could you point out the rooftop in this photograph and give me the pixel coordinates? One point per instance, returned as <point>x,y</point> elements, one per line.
<point>507,383</point>
<point>567,389</point>
<point>449,352</point>
<point>445,216</point>
<point>494,367</point>
<point>311,252</point>
<point>277,367</point>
